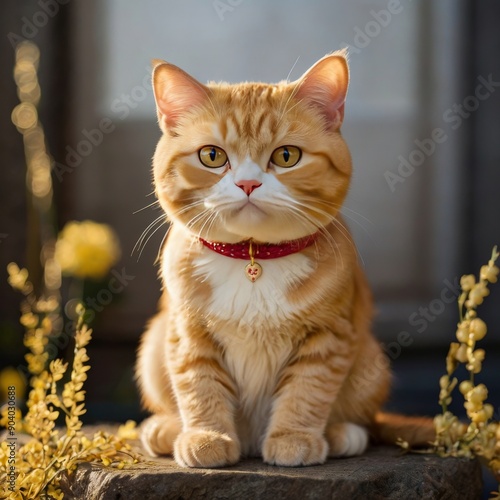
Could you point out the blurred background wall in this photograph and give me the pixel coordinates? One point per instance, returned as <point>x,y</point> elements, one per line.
<point>422,122</point>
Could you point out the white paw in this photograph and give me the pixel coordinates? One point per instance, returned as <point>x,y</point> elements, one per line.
<point>354,441</point>
<point>294,449</point>
<point>206,448</point>
<point>158,433</point>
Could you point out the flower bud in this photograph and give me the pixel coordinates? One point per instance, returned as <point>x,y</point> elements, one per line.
<point>467,282</point>
<point>489,272</point>
<point>478,394</point>
<point>461,354</point>
<point>444,381</point>
<point>479,354</point>
<point>488,409</point>
<point>463,331</point>
<point>439,423</point>
<point>465,387</point>
<point>478,329</point>
<point>478,417</point>
<point>472,406</point>
<point>474,366</point>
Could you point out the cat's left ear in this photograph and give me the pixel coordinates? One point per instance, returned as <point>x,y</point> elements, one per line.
<point>324,86</point>
<point>176,93</point>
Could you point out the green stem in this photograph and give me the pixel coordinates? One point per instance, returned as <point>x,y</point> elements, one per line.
<point>461,302</point>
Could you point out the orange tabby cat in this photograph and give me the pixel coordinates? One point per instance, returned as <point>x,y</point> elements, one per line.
<point>263,343</point>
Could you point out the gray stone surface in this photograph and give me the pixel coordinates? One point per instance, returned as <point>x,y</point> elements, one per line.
<point>381,473</point>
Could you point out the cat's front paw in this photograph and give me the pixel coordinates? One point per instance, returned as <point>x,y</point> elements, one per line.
<point>158,433</point>
<point>204,448</point>
<point>347,439</point>
<point>292,449</point>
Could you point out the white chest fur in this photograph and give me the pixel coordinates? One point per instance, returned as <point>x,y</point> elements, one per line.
<point>252,327</point>
<point>258,304</point>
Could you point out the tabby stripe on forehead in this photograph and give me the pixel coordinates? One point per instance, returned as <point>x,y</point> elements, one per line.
<point>265,112</point>
<point>236,124</point>
<point>261,120</point>
<point>223,129</point>
<point>247,118</point>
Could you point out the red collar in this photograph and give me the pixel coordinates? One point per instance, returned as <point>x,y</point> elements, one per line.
<point>261,251</point>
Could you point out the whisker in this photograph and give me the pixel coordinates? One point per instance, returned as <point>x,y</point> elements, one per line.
<point>290,72</point>
<point>291,205</point>
<point>158,221</point>
<point>149,237</point>
<point>147,206</point>
<point>341,209</point>
<point>345,231</point>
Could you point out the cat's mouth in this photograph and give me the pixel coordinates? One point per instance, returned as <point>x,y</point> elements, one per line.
<point>249,208</point>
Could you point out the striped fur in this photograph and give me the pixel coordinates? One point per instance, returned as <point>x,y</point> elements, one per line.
<point>285,368</point>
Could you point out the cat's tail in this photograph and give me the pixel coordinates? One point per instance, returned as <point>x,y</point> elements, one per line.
<point>389,427</point>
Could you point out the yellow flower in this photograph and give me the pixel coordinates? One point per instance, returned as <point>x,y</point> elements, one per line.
<point>477,294</point>
<point>451,360</point>
<point>478,329</point>
<point>128,430</point>
<point>87,249</point>
<point>489,272</point>
<point>463,331</point>
<point>478,394</point>
<point>461,353</point>
<point>465,387</point>
<point>467,282</point>
<point>17,277</point>
<point>11,378</point>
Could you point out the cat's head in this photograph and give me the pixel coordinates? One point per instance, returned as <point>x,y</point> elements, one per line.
<point>252,160</point>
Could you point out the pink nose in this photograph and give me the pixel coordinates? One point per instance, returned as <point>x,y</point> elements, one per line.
<point>248,186</point>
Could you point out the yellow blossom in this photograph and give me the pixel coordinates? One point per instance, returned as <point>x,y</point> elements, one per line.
<point>467,282</point>
<point>465,386</point>
<point>478,329</point>
<point>461,353</point>
<point>478,416</point>
<point>451,358</point>
<point>489,272</point>
<point>17,277</point>
<point>481,437</point>
<point>463,331</point>
<point>10,377</point>
<point>477,294</point>
<point>87,249</point>
<point>128,430</point>
<point>478,394</point>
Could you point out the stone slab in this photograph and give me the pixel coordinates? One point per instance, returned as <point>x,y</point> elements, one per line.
<point>381,473</point>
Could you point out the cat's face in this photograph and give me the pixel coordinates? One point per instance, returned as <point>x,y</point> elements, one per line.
<point>252,160</point>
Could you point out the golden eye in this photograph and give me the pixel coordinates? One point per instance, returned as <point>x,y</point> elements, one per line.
<point>286,156</point>
<point>212,156</point>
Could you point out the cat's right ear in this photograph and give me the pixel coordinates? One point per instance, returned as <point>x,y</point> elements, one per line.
<point>175,92</point>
